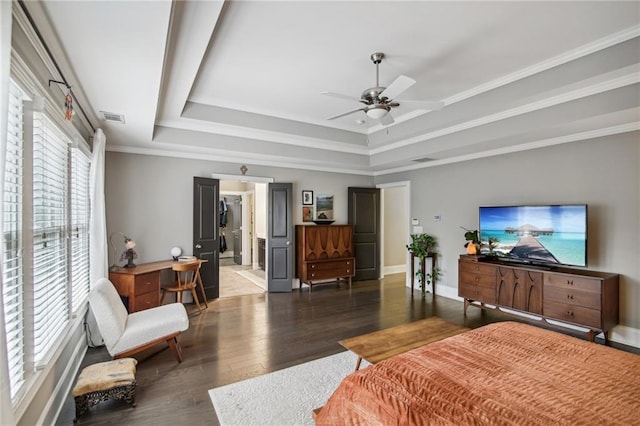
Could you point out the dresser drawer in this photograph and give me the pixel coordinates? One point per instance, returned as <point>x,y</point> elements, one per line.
<point>146,301</point>
<point>474,292</point>
<point>147,283</point>
<point>330,269</point>
<point>573,282</point>
<point>572,313</point>
<point>572,296</point>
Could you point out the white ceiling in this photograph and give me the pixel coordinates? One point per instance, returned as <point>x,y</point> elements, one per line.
<point>240,81</point>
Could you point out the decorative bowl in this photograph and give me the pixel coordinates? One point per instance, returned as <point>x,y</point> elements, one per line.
<point>323,221</point>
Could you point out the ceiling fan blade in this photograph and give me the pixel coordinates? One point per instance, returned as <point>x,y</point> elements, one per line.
<point>429,105</point>
<point>398,86</point>
<point>387,119</point>
<point>340,96</point>
<point>345,113</point>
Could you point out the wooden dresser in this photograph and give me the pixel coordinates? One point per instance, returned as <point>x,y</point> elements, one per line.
<point>324,254</point>
<point>588,299</point>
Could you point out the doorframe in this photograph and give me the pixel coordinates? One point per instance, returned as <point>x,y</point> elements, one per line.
<point>252,179</point>
<point>247,243</point>
<point>400,184</point>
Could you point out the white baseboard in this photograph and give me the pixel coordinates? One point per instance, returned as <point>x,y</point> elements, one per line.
<point>394,269</point>
<point>626,335</point>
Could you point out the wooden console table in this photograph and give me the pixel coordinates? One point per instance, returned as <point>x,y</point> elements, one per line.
<point>141,284</point>
<point>422,266</point>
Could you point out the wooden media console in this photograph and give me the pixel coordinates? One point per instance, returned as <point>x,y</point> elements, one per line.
<point>587,299</point>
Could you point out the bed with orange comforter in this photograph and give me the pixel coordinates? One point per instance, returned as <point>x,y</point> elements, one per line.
<point>505,373</point>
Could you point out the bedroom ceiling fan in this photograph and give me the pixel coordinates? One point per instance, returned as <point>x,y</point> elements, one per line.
<point>379,100</point>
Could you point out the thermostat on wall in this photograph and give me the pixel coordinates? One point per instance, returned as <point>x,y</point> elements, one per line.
<point>415,221</point>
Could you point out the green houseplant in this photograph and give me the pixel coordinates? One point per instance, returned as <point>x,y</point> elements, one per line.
<point>423,246</point>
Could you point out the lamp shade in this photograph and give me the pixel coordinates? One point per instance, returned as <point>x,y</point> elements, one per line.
<point>377,113</point>
<point>175,252</point>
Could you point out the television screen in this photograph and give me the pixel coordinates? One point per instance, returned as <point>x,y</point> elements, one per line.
<point>536,234</point>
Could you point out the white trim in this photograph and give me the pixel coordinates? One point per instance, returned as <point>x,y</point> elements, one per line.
<point>61,393</point>
<point>632,77</point>
<point>395,269</point>
<point>626,335</point>
<point>563,58</point>
<point>240,178</point>
<point>575,137</point>
<point>407,185</point>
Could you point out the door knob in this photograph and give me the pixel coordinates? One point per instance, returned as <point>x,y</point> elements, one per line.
<point>288,242</point>
<point>198,246</point>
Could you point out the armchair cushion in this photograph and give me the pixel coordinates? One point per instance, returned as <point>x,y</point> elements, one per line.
<point>151,324</point>
<point>110,313</point>
<point>123,332</point>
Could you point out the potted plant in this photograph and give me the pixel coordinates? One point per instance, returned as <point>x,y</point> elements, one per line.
<point>423,246</point>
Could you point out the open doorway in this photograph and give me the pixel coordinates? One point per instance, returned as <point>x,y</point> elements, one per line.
<point>395,220</point>
<point>243,212</point>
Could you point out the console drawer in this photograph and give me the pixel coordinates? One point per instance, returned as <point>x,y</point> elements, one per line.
<point>478,269</point>
<point>474,292</point>
<point>573,282</point>
<point>486,281</point>
<point>573,314</point>
<point>572,296</point>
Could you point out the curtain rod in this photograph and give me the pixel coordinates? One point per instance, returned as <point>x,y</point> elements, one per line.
<point>46,48</point>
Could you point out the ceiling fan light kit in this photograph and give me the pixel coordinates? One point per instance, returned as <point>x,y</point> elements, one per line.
<point>377,113</point>
<point>379,100</point>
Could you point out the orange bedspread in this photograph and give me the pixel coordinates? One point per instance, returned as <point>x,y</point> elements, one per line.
<point>501,374</point>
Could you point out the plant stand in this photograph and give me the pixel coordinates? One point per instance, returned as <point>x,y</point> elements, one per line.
<point>422,266</point>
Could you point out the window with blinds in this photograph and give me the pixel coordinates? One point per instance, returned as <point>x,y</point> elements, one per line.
<point>79,233</point>
<point>50,261</point>
<point>12,267</point>
<point>45,250</point>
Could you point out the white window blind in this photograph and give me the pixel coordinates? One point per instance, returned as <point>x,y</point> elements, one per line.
<point>79,232</point>
<point>50,273</point>
<point>13,277</point>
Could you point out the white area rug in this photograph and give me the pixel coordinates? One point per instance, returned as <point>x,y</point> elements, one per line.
<point>284,397</point>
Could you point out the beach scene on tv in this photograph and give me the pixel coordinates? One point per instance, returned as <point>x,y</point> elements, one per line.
<point>537,234</point>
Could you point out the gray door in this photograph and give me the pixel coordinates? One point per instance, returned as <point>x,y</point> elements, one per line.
<point>206,231</point>
<point>236,230</point>
<point>364,215</point>
<point>280,237</point>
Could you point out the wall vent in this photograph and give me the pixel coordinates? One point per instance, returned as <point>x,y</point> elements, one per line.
<point>423,159</point>
<point>112,116</point>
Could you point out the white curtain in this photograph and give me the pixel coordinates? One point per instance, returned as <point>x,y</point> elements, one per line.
<point>6,410</point>
<point>99,262</point>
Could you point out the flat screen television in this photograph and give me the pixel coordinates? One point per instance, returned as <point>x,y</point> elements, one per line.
<point>543,235</point>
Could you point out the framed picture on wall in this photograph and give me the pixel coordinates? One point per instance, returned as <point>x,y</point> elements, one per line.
<point>307,198</point>
<point>307,214</point>
<point>324,207</point>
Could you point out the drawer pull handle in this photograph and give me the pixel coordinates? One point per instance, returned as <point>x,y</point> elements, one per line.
<point>313,275</point>
<point>570,313</point>
<point>570,296</point>
<point>313,266</point>
<point>348,271</point>
<point>569,282</point>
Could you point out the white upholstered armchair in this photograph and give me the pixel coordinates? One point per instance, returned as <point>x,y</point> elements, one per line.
<point>125,334</point>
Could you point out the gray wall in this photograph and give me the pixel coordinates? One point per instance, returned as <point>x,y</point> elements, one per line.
<point>601,172</point>
<point>149,198</point>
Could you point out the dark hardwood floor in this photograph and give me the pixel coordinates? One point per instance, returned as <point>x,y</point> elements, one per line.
<point>247,336</point>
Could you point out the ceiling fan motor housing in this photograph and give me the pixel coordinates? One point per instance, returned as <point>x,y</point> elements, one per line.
<point>371,95</point>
